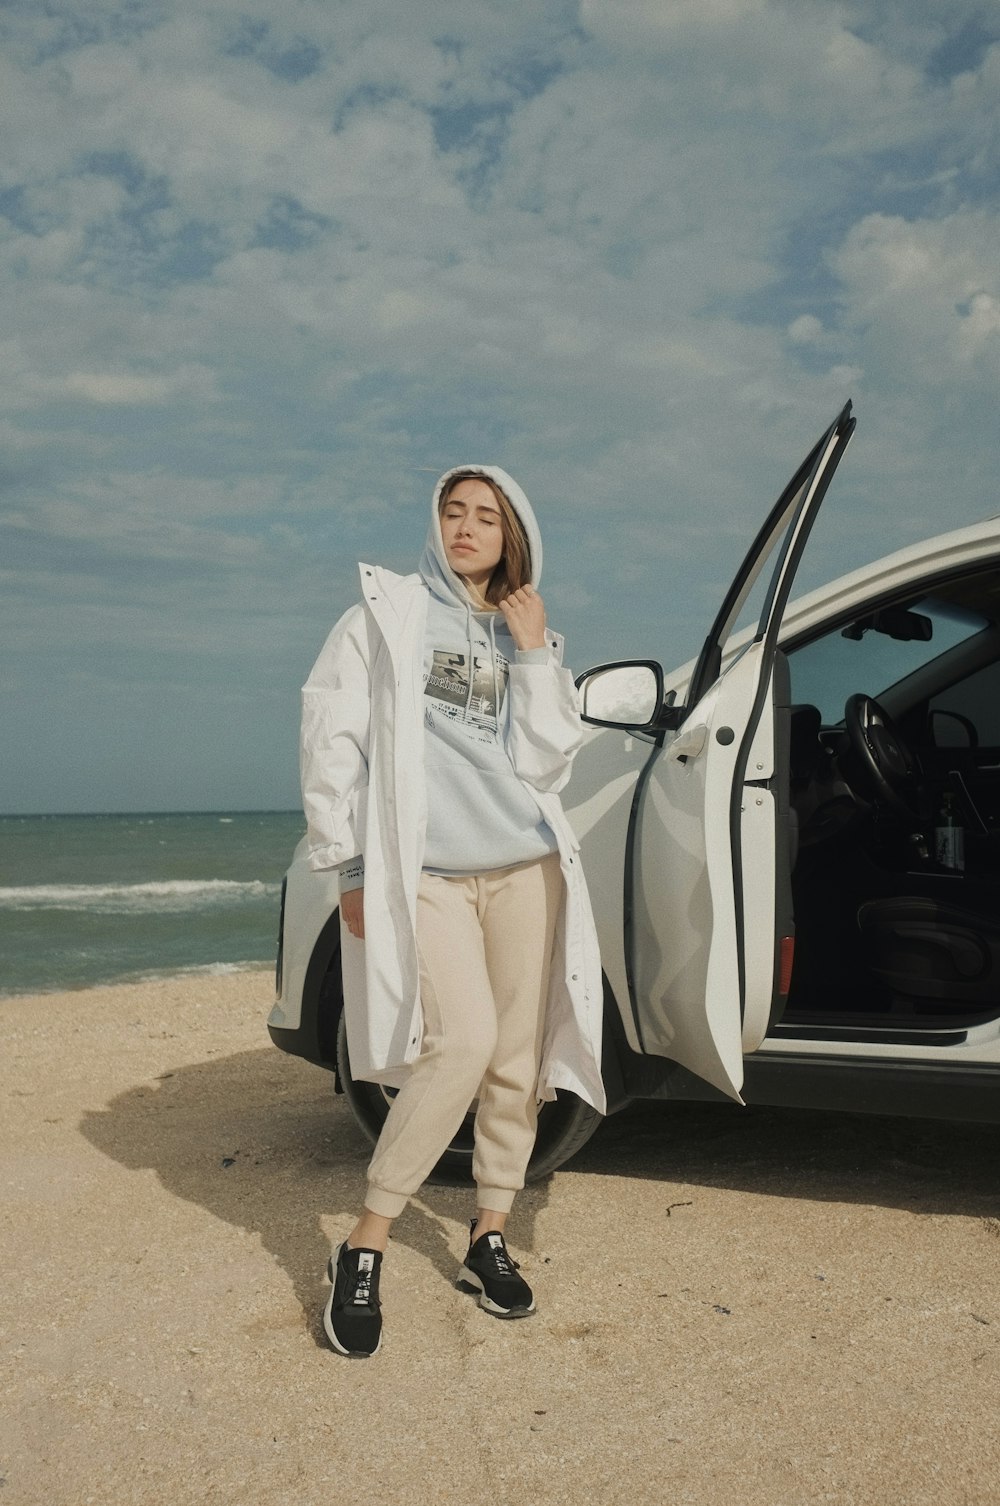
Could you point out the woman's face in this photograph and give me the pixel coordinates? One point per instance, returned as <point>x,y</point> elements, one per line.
<point>472,531</point>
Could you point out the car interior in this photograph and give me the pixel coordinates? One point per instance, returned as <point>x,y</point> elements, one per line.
<point>894,759</point>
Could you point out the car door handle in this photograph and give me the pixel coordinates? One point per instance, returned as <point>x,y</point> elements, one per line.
<point>689,742</point>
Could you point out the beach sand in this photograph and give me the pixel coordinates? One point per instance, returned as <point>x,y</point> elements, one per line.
<point>746,1306</point>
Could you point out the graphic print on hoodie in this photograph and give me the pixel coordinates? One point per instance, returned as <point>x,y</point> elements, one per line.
<point>448,682</point>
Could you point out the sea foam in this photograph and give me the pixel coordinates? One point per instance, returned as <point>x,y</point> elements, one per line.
<point>165,897</point>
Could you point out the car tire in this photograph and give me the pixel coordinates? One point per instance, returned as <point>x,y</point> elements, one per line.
<point>564,1125</point>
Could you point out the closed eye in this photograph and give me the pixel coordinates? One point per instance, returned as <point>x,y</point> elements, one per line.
<point>481,517</point>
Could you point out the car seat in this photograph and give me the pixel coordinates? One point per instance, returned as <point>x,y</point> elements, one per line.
<point>928,951</point>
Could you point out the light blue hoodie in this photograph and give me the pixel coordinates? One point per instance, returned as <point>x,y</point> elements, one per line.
<point>480,816</point>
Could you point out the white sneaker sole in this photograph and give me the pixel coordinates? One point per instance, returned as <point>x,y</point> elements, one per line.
<point>352,1354</point>
<point>468,1281</point>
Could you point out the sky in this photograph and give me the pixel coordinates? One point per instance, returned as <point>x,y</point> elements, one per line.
<point>267,270</point>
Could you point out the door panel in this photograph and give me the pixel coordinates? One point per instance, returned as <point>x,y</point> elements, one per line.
<point>672,945</point>
<point>688,965</point>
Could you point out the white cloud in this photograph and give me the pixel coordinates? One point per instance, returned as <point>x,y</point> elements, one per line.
<point>805,330</point>
<point>128,388</point>
<point>925,293</point>
<point>846,377</point>
<point>264,271</point>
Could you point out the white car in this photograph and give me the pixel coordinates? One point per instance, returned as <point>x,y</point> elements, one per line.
<point>792,845</point>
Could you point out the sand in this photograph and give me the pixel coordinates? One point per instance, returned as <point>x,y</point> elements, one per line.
<point>734,1306</point>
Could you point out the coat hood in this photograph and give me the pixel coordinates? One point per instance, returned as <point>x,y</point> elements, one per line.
<point>434,566</point>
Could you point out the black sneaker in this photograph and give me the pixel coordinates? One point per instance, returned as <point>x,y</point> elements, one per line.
<point>489,1270</point>
<point>352,1316</point>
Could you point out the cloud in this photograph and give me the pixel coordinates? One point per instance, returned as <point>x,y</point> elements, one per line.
<point>925,293</point>
<point>132,388</point>
<point>805,330</point>
<point>263,274</point>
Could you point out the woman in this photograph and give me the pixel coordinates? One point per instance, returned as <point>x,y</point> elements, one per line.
<point>438,727</point>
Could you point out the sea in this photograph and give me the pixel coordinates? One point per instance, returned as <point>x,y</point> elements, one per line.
<point>106,899</point>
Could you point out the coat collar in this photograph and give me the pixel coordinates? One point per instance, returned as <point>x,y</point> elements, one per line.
<point>391,597</point>
<point>396,603</point>
<point>378,583</point>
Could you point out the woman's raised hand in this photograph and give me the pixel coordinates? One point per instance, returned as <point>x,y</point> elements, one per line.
<point>524,613</point>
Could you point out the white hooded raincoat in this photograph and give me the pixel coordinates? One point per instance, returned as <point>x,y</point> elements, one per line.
<point>363,792</point>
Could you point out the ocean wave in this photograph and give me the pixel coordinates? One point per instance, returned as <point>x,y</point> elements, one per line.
<point>167,897</point>
<point>206,970</point>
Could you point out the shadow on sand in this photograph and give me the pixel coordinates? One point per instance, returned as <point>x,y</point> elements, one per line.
<point>259,1140</point>
<point>918,1165</point>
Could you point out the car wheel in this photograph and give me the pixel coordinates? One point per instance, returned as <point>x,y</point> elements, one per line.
<point>564,1126</point>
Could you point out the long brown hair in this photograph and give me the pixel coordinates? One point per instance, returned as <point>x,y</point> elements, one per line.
<point>513,569</point>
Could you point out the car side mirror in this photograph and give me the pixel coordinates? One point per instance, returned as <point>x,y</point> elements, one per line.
<point>950,729</point>
<point>628,694</point>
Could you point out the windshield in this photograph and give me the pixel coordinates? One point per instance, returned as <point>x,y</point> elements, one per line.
<point>829,669</point>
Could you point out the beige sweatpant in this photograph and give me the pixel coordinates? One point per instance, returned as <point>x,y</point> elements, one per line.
<point>484,943</point>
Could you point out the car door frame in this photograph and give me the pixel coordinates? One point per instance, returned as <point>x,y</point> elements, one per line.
<point>787,529</point>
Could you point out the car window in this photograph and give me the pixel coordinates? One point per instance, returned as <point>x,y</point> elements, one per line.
<point>765,576</point>
<point>752,611</point>
<point>826,670</point>
<point>976,699</point>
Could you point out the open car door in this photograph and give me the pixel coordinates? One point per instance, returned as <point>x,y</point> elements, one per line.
<point>709,930</point>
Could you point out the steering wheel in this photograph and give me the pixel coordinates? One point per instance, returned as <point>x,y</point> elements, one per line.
<point>888,767</point>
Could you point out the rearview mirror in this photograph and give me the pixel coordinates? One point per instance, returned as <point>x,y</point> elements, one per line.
<point>893,622</point>
<point>627,694</point>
